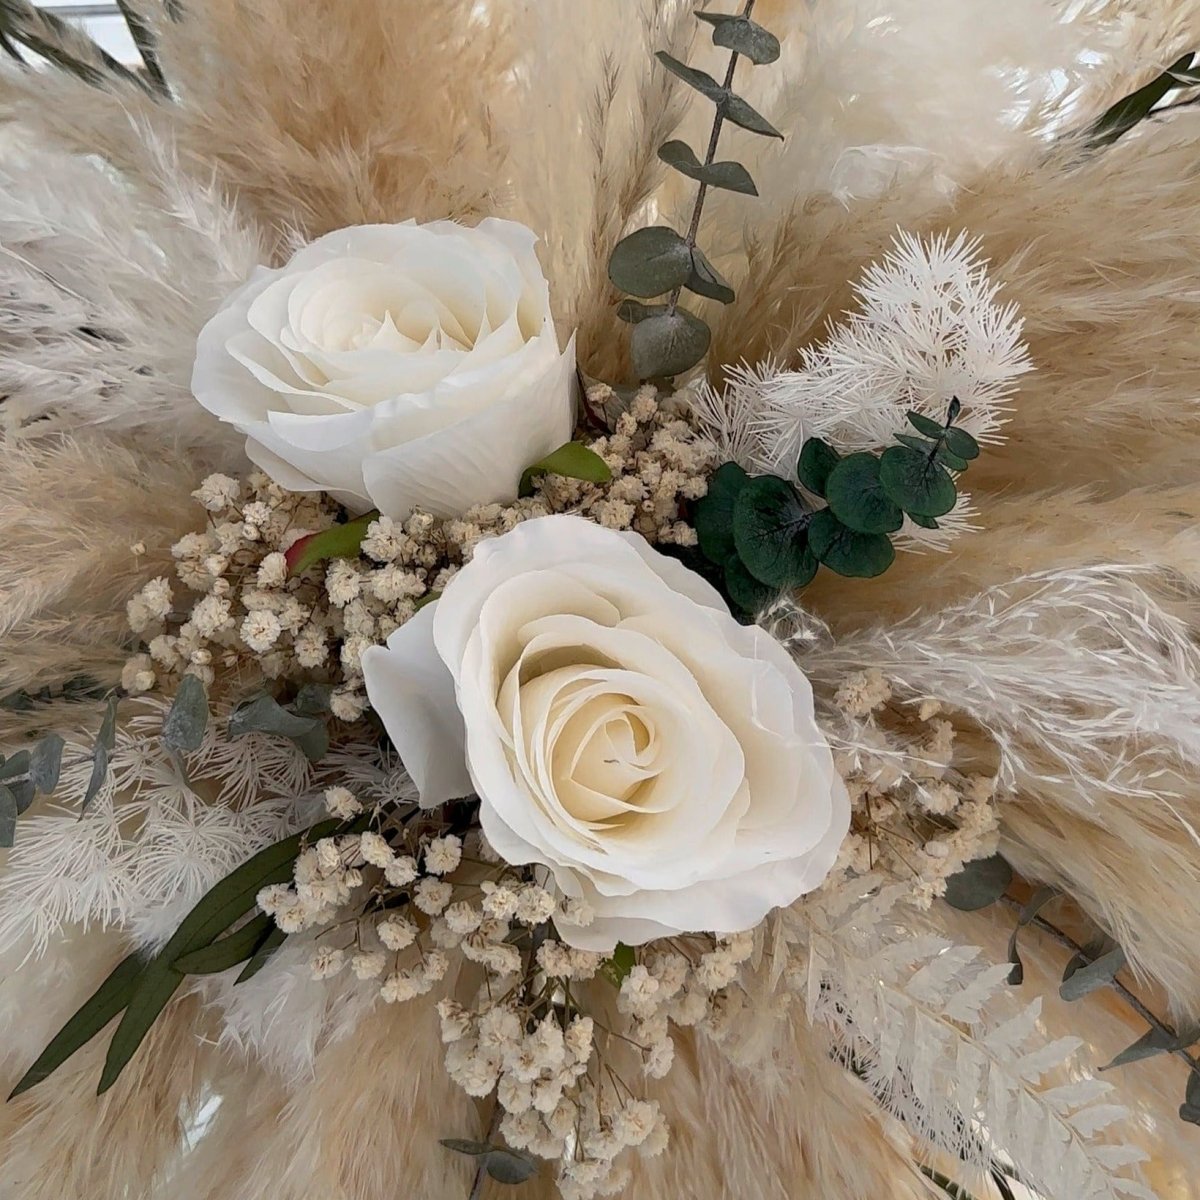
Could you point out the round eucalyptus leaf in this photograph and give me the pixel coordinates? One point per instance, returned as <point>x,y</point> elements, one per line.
<point>650,261</point>
<point>979,883</point>
<point>733,31</point>
<point>704,279</point>
<point>465,1146</point>
<point>921,445</point>
<point>817,459</point>
<point>510,1167</point>
<point>702,81</point>
<point>949,459</point>
<point>741,113</point>
<point>855,555</point>
<point>924,522</point>
<point>857,498</point>
<point>918,484</point>
<point>713,518</point>
<point>960,442</point>
<point>769,524</point>
<point>731,176</point>
<point>668,344</point>
<point>747,593</point>
<point>633,311</point>
<point>925,425</point>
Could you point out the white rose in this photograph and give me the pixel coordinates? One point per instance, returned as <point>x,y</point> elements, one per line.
<point>395,366</point>
<point>620,728</point>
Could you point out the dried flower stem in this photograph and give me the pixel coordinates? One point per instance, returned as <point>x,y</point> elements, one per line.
<point>714,138</point>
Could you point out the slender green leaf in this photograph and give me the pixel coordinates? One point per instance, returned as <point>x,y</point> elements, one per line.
<point>228,951</point>
<point>703,82</point>
<point>97,778</point>
<point>573,460</point>
<point>731,176</point>
<point>262,954</point>
<point>857,497</point>
<point>817,460</point>
<point>737,110</point>
<point>1152,1043</point>
<point>743,36</point>
<point>854,555</point>
<point>980,883</point>
<point>338,541</point>
<point>105,1003</point>
<point>1093,976</point>
<point>705,280</point>
<point>45,763</point>
<point>668,344</point>
<point>714,513</point>
<point>1135,108</point>
<point>183,729</point>
<point>107,737</point>
<point>8,817</point>
<point>769,532</point>
<point>650,262</point>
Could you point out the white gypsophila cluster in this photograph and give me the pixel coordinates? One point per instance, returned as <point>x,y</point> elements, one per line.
<point>392,905</point>
<point>929,328</point>
<point>236,605</point>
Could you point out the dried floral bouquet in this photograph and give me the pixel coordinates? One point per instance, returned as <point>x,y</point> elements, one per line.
<point>490,704</point>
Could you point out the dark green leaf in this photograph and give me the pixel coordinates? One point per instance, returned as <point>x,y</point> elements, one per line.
<point>769,525</point>
<point>1037,902</point>
<point>854,555</point>
<point>183,729</point>
<point>262,954</point>
<point>743,36</point>
<point>23,792</point>
<point>817,460</point>
<point>8,817</point>
<point>313,700</point>
<point>704,83</point>
<point>264,714</point>
<point>714,513</point>
<point>918,484</point>
<point>510,1166</point>
<point>949,459</point>
<point>227,951</point>
<point>924,522</point>
<point>633,311</point>
<point>705,281</point>
<point>748,595</point>
<point>668,344</point>
<point>857,498</point>
<point>736,109</point>
<point>96,1012</point>
<point>618,965</point>
<point>650,262</point>
<point>428,598</point>
<point>97,778</point>
<point>925,425</point>
<point>961,443</point>
<point>215,912</point>
<point>314,744</point>
<point>573,460</point>
<point>107,737</point>
<point>1190,1109</point>
<point>731,176</point>
<point>1093,976</point>
<point>953,411</point>
<point>11,768</point>
<point>979,883</point>
<point>920,444</point>
<point>1152,1043</point>
<point>338,541</point>
<point>45,763</point>
<point>465,1146</point>
<point>1135,108</point>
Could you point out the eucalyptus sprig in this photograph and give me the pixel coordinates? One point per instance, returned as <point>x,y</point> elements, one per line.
<point>657,261</point>
<point>766,537</point>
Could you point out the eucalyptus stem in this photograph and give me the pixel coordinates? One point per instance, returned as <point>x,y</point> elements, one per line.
<point>710,155</point>
<point>481,1169</point>
<point>1148,1015</point>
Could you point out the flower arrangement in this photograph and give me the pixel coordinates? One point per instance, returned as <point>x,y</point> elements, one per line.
<point>533,706</point>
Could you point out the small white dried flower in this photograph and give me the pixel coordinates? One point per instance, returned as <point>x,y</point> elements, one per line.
<point>401,986</point>
<point>218,492</point>
<point>326,962</point>
<point>401,871</point>
<point>498,901</point>
<point>396,933</point>
<point>341,803</point>
<point>535,905</point>
<point>462,918</point>
<point>260,630</point>
<point>137,675</point>
<point>375,850</point>
<point>348,705</point>
<point>455,1020</point>
<point>443,854</point>
<point>272,571</point>
<point>368,964</point>
<point>432,895</point>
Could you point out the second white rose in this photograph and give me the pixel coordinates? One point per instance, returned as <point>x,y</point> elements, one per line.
<point>395,366</point>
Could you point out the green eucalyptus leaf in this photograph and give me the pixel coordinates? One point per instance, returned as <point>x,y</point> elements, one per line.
<point>918,484</point>
<point>650,261</point>
<point>731,176</point>
<point>748,595</point>
<point>949,459</point>
<point>107,737</point>
<point>952,412</point>
<point>573,460</point>
<point>704,279</point>
<point>1093,976</point>
<point>8,817</point>
<point>23,791</point>
<point>713,518</point>
<point>1153,1043</point>
<point>510,1166</point>
<point>668,344</point>
<point>183,729</point>
<point>737,110</point>
<point>264,714</point>
<point>845,552</point>
<point>1037,902</point>
<point>313,700</point>
<point>738,33</point>
<point>45,763</point>
<point>961,443</point>
<point>633,311</point>
<point>769,532</point>
<point>18,764</point>
<point>104,1003</point>
<point>465,1146</point>
<point>925,425</point>
<point>980,883</point>
<point>1189,1110</point>
<point>97,778</point>
<point>857,498</point>
<point>920,444</point>
<point>338,541</point>
<point>817,460</point>
<point>702,81</point>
